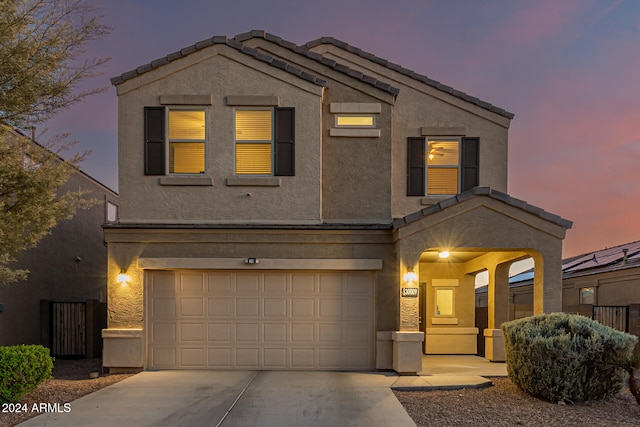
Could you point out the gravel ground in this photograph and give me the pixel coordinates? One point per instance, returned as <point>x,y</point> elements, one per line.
<point>505,404</point>
<point>70,381</point>
<point>501,405</point>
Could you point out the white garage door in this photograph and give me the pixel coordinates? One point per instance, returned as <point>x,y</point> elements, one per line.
<point>259,320</point>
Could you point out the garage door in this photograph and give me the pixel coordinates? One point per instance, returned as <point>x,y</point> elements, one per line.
<point>259,320</point>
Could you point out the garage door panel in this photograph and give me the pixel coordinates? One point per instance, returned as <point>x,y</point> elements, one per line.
<point>248,283</point>
<point>163,307</point>
<point>358,308</point>
<point>192,357</point>
<point>330,333</point>
<point>303,307</point>
<point>303,358</point>
<point>248,357</point>
<point>220,357</point>
<point>275,332</point>
<point>164,357</point>
<point>275,358</point>
<point>303,332</point>
<point>192,332</point>
<point>220,307</point>
<point>163,332</point>
<point>191,282</point>
<point>329,308</point>
<point>192,306</point>
<point>303,284</point>
<point>260,320</point>
<point>275,307</point>
<point>275,283</point>
<point>247,332</point>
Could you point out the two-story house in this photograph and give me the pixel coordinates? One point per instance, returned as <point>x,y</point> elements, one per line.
<point>310,207</point>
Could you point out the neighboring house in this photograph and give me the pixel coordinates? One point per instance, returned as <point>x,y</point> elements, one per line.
<point>288,207</point>
<point>62,304</point>
<point>604,284</point>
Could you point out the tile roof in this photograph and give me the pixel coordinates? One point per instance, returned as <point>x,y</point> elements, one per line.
<point>305,51</point>
<point>219,40</point>
<point>487,192</point>
<point>412,74</point>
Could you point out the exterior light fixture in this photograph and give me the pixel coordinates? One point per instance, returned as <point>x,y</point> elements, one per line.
<point>123,278</point>
<point>443,254</point>
<point>410,277</point>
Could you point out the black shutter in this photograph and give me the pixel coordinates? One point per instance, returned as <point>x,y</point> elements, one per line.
<point>285,141</point>
<point>154,140</point>
<point>415,166</point>
<point>470,163</point>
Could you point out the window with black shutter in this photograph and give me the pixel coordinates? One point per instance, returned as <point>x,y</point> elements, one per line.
<point>442,166</point>
<point>154,145</point>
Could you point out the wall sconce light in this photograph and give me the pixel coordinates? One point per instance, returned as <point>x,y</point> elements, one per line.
<point>443,254</point>
<point>410,277</point>
<point>252,261</point>
<point>123,278</point>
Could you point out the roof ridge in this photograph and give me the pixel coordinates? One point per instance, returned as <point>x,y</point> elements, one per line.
<point>303,50</point>
<point>487,192</point>
<point>409,73</point>
<point>223,40</point>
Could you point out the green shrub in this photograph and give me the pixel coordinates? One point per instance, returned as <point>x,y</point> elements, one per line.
<point>566,358</point>
<point>22,368</point>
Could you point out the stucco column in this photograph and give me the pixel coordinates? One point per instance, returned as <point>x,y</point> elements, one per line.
<point>547,280</point>
<point>407,342</point>
<point>498,312</point>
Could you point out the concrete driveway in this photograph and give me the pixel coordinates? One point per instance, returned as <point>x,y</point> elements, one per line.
<point>238,398</point>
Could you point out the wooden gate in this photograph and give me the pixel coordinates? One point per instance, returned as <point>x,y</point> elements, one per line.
<point>69,329</point>
<point>614,316</point>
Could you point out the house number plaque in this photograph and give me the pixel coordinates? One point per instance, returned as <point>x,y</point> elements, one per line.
<point>410,292</point>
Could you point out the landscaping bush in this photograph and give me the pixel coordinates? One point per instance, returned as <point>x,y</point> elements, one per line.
<point>566,358</point>
<point>22,368</point>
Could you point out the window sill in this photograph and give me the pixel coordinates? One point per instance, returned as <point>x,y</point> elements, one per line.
<point>444,321</point>
<point>187,180</point>
<point>260,181</point>
<point>355,133</point>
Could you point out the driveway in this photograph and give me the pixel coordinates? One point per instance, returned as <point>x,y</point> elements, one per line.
<point>238,398</point>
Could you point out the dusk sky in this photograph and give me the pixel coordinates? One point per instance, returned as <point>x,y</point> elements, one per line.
<point>568,69</point>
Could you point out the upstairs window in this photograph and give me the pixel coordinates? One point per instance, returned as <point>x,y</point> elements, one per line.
<point>254,142</point>
<point>355,121</point>
<point>442,166</point>
<point>187,136</point>
<point>443,161</point>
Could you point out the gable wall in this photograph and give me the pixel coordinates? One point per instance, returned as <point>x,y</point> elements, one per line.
<point>219,71</point>
<point>419,105</point>
<point>356,171</point>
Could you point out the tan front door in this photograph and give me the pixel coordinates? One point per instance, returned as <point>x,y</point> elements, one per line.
<point>259,320</point>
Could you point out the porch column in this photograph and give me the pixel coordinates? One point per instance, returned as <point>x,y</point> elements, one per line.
<point>547,280</point>
<point>407,342</point>
<point>498,312</point>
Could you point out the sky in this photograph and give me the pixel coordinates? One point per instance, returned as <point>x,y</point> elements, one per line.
<point>569,70</point>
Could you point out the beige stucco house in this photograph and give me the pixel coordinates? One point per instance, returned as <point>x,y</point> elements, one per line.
<point>290,207</point>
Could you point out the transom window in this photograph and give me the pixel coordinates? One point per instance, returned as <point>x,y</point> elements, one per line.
<point>254,142</point>
<point>187,136</point>
<point>355,120</point>
<point>443,166</point>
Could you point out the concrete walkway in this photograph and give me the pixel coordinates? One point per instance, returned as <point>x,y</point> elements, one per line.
<point>451,372</point>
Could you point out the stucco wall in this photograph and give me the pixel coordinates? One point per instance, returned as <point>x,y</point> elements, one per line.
<point>418,106</point>
<point>219,72</point>
<point>68,265</point>
<point>126,247</point>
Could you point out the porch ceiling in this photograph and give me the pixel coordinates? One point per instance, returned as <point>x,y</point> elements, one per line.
<point>454,256</point>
